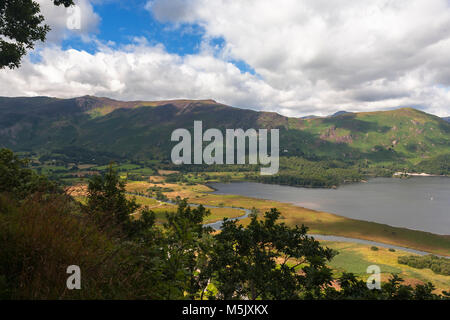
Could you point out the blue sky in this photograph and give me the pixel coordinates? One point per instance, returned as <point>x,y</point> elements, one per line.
<point>121,21</point>
<point>293,57</point>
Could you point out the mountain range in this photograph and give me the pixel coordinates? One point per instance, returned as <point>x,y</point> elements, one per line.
<point>103,128</point>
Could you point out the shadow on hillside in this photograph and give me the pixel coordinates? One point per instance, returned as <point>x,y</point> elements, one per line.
<point>349,121</point>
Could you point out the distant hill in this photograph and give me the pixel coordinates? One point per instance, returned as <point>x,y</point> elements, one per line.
<point>310,117</point>
<point>446,119</point>
<point>103,128</point>
<point>330,116</point>
<point>339,113</point>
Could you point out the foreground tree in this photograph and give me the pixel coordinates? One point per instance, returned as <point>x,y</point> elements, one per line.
<point>18,180</point>
<point>352,288</point>
<point>187,246</point>
<point>107,201</point>
<point>20,27</point>
<point>268,260</point>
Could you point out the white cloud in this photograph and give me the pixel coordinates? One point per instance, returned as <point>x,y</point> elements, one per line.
<point>310,57</point>
<point>136,71</point>
<point>57,18</point>
<point>335,54</point>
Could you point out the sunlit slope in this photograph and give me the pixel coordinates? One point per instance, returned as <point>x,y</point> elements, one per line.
<point>398,134</point>
<point>108,129</point>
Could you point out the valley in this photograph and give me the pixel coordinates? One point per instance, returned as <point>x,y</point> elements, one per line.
<point>73,140</point>
<point>352,257</point>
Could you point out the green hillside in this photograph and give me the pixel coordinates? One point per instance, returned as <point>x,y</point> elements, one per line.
<point>97,130</point>
<point>402,134</point>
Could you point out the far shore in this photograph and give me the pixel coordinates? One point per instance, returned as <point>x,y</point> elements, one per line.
<point>412,174</point>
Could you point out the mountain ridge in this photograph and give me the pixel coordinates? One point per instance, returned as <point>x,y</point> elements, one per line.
<point>88,102</point>
<point>142,129</point>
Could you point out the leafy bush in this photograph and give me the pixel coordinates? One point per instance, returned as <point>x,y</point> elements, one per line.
<point>42,236</point>
<point>436,264</point>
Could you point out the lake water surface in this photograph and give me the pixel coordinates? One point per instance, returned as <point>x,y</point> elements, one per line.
<point>421,203</point>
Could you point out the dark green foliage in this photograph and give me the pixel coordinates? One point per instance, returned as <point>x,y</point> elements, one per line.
<point>373,248</point>
<point>350,288</point>
<point>159,189</point>
<point>21,25</point>
<point>393,289</point>
<point>122,257</point>
<point>18,180</point>
<point>161,196</point>
<point>437,165</point>
<point>107,200</point>
<point>79,154</point>
<point>66,3</point>
<point>187,245</point>
<point>41,236</point>
<point>244,261</point>
<point>301,172</point>
<point>436,264</point>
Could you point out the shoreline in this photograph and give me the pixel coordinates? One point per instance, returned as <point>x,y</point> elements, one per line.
<point>373,243</point>
<point>333,187</point>
<point>217,224</point>
<point>363,230</point>
<point>325,223</point>
<point>415,174</point>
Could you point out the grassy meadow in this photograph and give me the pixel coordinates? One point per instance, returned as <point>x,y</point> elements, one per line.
<point>318,222</point>
<point>355,258</point>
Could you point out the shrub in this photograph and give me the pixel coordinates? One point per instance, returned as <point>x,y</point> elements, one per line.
<point>42,236</point>
<point>436,264</point>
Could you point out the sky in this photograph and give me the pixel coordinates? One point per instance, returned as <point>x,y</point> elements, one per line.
<point>294,57</point>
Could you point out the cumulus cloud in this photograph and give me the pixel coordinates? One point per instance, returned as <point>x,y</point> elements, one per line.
<point>59,19</point>
<point>356,52</point>
<point>309,57</point>
<point>135,71</point>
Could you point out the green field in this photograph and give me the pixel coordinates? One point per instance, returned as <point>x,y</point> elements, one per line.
<point>318,222</point>
<point>356,258</point>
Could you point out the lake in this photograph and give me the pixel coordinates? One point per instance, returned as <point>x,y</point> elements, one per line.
<point>420,203</point>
